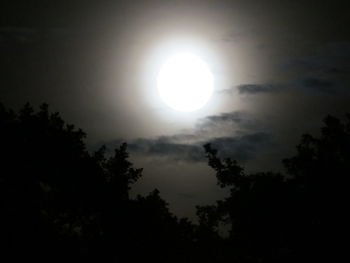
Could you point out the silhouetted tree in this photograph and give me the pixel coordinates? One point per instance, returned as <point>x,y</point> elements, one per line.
<point>59,202</point>
<point>276,218</point>
<point>320,172</point>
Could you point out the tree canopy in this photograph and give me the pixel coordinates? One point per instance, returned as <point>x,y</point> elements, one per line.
<point>58,201</point>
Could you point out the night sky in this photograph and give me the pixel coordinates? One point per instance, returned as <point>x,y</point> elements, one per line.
<point>279,68</point>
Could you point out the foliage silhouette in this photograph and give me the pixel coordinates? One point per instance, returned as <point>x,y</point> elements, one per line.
<point>293,218</point>
<point>60,202</point>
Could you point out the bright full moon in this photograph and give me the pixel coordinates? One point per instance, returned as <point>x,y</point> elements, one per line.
<point>185,82</point>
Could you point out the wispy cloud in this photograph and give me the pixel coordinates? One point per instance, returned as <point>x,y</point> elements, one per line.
<point>252,89</point>
<point>256,88</point>
<point>189,146</point>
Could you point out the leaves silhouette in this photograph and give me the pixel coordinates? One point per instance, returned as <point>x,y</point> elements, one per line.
<point>58,201</point>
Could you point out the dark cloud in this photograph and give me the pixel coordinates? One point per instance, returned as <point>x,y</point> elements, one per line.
<point>319,85</point>
<point>256,88</point>
<point>163,147</point>
<point>253,89</point>
<point>330,58</point>
<point>242,148</point>
<point>236,116</point>
<point>238,120</point>
<point>242,140</point>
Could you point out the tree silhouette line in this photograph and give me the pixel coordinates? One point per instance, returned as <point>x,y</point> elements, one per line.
<point>60,202</point>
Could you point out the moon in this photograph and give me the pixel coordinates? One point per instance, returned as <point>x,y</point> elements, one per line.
<point>185,82</point>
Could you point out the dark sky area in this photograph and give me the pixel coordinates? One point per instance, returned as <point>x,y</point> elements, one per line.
<point>279,67</point>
